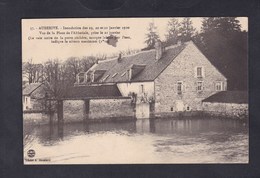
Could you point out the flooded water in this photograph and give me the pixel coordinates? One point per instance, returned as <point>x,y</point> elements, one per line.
<point>143,141</point>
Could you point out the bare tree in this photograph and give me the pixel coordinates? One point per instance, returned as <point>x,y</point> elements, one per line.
<point>56,79</point>
<point>72,67</point>
<point>33,72</point>
<point>86,62</point>
<point>101,57</point>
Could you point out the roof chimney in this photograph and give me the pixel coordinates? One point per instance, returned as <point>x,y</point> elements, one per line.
<point>119,59</point>
<point>158,49</point>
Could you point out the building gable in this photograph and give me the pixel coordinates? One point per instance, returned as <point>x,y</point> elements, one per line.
<point>188,79</point>
<point>189,59</point>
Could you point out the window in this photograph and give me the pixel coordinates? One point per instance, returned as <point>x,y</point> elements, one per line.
<point>81,78</point>
<point>141,88</point>
<point>199,86</point>
<point>199,72</point>
<point>179,87</point>
<point>219,86</point>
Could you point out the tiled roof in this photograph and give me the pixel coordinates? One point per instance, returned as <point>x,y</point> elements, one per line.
<point>152,68</point>
<point>93,91</point>
<point>30,88</point>
<point>228,97</point>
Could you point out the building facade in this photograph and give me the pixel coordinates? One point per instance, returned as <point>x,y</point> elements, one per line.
<point>161,81</point>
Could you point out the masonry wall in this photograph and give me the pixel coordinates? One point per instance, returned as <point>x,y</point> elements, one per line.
<point>167,99</point>
<point>73,110</point>
<point>232,110</point>
<point>111,108</point>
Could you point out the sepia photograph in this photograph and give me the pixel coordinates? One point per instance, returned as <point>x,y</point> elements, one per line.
<point>171,90</point>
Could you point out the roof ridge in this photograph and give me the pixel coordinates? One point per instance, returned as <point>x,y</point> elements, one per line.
<point>129,55</point>
<point>141,52</point>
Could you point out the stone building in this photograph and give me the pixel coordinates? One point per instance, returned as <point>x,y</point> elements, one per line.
<point>161,81</point>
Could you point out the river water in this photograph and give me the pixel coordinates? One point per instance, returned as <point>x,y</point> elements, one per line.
<point>186,140</point>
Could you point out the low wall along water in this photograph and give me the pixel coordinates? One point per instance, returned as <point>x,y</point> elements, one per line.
<point>95,109</point>
<point>230,110</point>
<point>124,109</point>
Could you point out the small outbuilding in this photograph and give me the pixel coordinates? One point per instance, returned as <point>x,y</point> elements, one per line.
<point>33,94</point>
<point>227,104</point>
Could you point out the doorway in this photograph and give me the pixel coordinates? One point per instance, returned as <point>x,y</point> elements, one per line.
<point>142,110</point>
<point>179,105</point>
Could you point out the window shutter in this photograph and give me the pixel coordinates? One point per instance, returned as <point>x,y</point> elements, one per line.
<point>196,86</point>
<point>183,87</point>
<point>195,72</point>
<point>203,71</point>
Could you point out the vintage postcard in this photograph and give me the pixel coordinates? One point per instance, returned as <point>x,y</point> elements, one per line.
<point>135,90</point>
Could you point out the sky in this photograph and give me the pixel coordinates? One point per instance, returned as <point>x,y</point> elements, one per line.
<point>42,50</point>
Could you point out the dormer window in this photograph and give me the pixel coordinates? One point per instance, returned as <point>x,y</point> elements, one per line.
<point>80,77</point>
<point>97,74</point>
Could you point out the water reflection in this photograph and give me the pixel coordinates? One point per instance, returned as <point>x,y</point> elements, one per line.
<point>217,139</point>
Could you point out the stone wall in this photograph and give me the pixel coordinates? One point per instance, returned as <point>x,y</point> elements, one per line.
<point>73,110</point>
<point>232,110</point>
<point>183,67</point>
<point>111,108</point>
